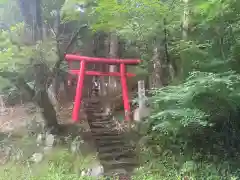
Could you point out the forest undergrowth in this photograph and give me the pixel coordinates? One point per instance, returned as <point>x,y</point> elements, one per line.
<point>194,131</point>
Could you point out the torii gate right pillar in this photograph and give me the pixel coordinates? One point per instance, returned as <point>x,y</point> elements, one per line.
<point>125,92</point>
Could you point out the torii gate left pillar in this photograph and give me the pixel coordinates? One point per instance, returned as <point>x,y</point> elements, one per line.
<point>82,72</point>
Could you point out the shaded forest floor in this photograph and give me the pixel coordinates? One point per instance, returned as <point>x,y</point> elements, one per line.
<point>24,149</point>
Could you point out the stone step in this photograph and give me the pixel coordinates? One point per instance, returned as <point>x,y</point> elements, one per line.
<point>102,122</point>
<point>110,143</point>
<point>127,166</point>
<point>103,126</point>
<point>116,155</point>
<point>104,129</point>
<point>112,149</point>
<point>107,138</point>
<point>111,140</point>
<point>103,133</point>
<point>128,161</point>
<point>113,173</point>
<point>112,146</point>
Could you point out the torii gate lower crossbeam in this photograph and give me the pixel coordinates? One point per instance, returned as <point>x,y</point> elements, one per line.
<point>82,72</point>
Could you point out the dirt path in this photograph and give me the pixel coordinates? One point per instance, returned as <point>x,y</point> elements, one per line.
<point>16,118</point>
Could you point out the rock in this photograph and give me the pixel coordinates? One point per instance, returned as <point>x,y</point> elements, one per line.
<point>139,114</point>
<point>18,155</point>
<point>86,172</point>
<point>75,145</point>
<point>37,157</point>
<point>35,125</point>
<point>40,138</point>
<point>50,140</point>
<point>67,138</point>
<point>119,171</point>
<point>47,149</point>
<point>96,171</point>
<point>5,154</point>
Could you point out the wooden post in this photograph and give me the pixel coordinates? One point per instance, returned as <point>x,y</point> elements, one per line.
<point>142,111</point>
<point>2,106</point>
<point>141,94</point>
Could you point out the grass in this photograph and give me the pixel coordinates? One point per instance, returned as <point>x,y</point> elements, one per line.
<point>62,165</point>
<point>58,165</point>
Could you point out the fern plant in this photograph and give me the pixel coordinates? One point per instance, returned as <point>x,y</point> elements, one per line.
<point>199,101</point>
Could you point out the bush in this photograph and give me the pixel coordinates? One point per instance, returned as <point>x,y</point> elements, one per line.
<point>196,125</point>
<point>201,101</point>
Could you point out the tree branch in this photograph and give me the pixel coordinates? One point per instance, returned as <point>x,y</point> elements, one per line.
<point>61,55</point>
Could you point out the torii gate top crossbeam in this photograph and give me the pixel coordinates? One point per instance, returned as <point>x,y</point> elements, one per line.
<point>72,57</point>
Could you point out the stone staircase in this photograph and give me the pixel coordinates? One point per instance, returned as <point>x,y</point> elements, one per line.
<point>115,152</point>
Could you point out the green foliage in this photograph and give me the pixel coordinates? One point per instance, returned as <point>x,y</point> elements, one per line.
<point>50,6</point>
<point>3,84</point>
<point>131,19</point>
<point>204,105</point>
<point>193,101</point>
<point>18,57</point>
<point>195,124</point>
<point>3,1</point>
<point>172,169</point>
<point>12,55</point>
<point>71,10</point>
<point>60,164</point>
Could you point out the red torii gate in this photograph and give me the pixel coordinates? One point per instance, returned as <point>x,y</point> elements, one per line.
<point>82,72</point>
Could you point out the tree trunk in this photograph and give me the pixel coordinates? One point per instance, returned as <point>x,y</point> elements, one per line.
<point>114,88</point>
<point>155,78</point>
<point>171,67</point>
<point>101,49</point>
<point>42,97</point>
<point>160,70</point>
<point>113,53</point>
<point>32,12</point>
<point>185,21</point>
<point>39,21</point>
<point>48,111</point>
<point>185,27</point>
